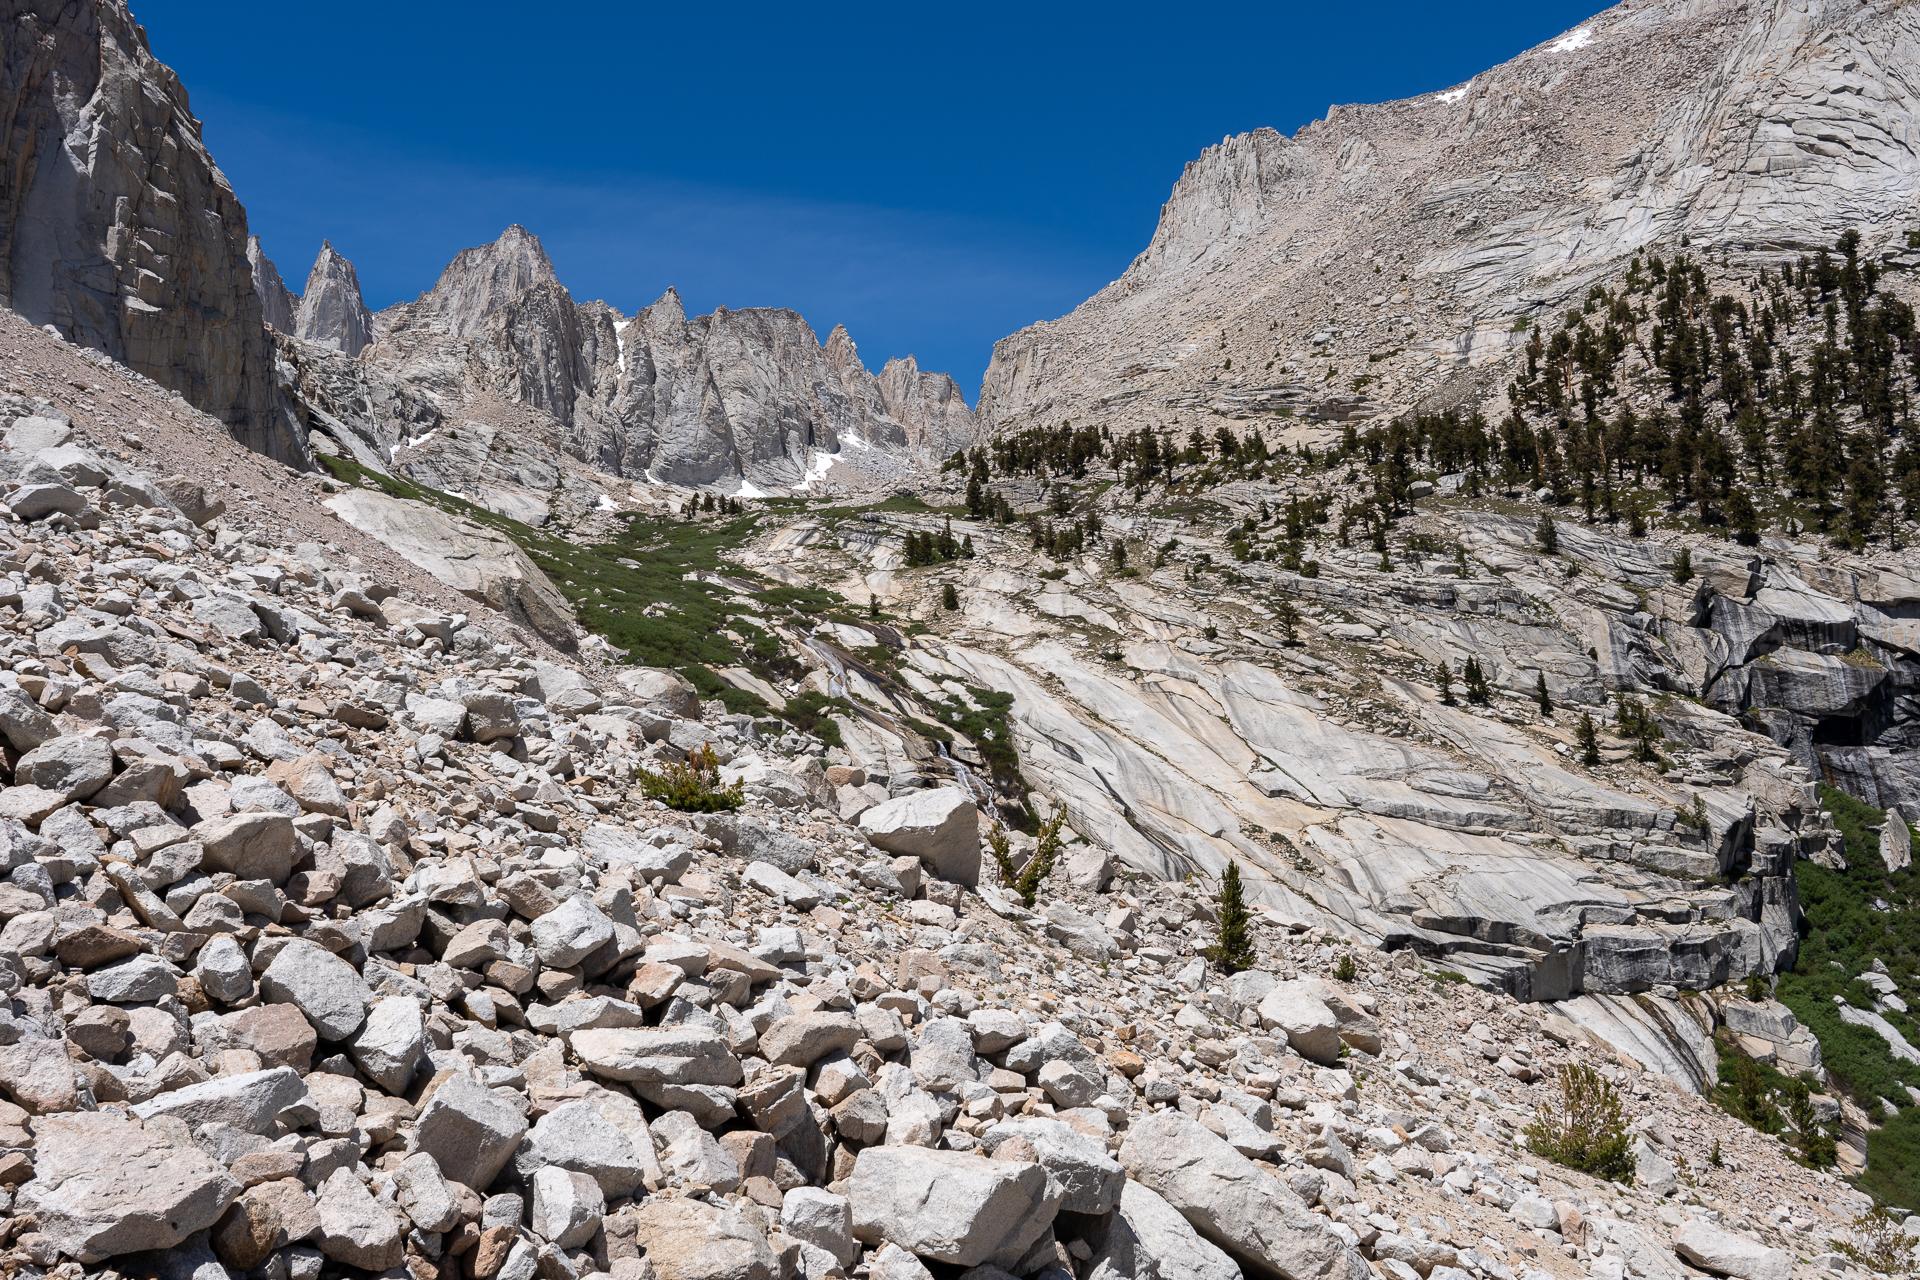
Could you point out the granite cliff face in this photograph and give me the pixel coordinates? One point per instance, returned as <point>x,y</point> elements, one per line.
<point>115,225</point>
<point>1383,255</point>
<point>277,303</point>
<point>361,914</point>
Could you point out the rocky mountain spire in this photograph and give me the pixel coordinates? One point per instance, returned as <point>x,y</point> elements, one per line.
<point>115,225</point>
<point>929,406</point>
<point>332,313</point>
<point>842,355</point>
<point>277,303</point>
<point>482,280</point>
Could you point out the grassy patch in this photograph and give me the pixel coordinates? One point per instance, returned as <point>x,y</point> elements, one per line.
<point>900,504</point>
<point>1853,918</point>
<point>813,712</point>
<point>648,590</point>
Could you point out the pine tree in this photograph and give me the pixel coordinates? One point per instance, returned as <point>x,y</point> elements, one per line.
<point>1547,534</point>
<point>1744,518</point>
<point>1589,741</point>
<point>1443,677</point>
<point>1866,491</point>
<point>1289,618</point>
<point>1477,692</point>
<point>1232,950</point>
<point>1683,566</point>
<point>949,598</point>
<point>1540,694</point>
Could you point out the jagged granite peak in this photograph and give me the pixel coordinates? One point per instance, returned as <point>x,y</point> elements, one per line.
<point>841,352</point>
<point>931,406</point>
<point>482,280</point>
<point>116,227</point>
<point>332,313</point>
<point>668,307</point>
<point>1396,245</point>
<point>278,306</point>
<point>745,401</point>
<point>1222,196</point>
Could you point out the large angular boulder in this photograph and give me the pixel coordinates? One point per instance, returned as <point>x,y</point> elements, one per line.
<point>357,1230</point>
<point>253,846</point>
<point>620,846</point>
<point>328,990</point>
<point>821,1219</point>
<point>1147,1239</point>
<point>1233,1202</point>
<point>105,1185</point>
<point>71,767</point>
<point>802,1039</point>
<point>1896,843</point>
<point>491,715</point>
<point>469,1130</point>
<point>252,1101</point>
<point>950,1206</point>
<point>941,827</point>
<point>578,1137</point>
<point>468,557</point>
<point>1720,1252</point>
<point>693,1240</point>
<point>1297,1010</point>
<point>279,1033</point>
<point>37,1073</point>
<point>22,722</point>
<point>1090,1180</point>
<point>38,501</point>
<point>571,932</point>
<point>677,1055</point>
<point>663,690</point>
<point>391,1043</point>
<point>567,1207</point>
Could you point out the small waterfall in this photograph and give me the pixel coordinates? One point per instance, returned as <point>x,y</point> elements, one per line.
<point>981,792</point>
<point>840,685</point>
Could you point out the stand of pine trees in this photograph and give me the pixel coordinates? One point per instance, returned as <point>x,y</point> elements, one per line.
<point>923,549</point>
<point>1787,399</point>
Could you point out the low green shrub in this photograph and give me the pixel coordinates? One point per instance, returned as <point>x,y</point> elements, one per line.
<point>1586,1129</point>
<point>692,785</point>
<point>813,712</point>
<point>1026,881</point>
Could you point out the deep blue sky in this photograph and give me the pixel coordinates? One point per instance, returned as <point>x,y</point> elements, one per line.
<point>932,176</point>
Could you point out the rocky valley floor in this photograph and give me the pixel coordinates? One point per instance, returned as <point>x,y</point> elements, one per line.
<point>340,937</point>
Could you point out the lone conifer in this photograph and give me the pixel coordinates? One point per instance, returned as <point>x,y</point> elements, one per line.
<point>1232,950</point>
